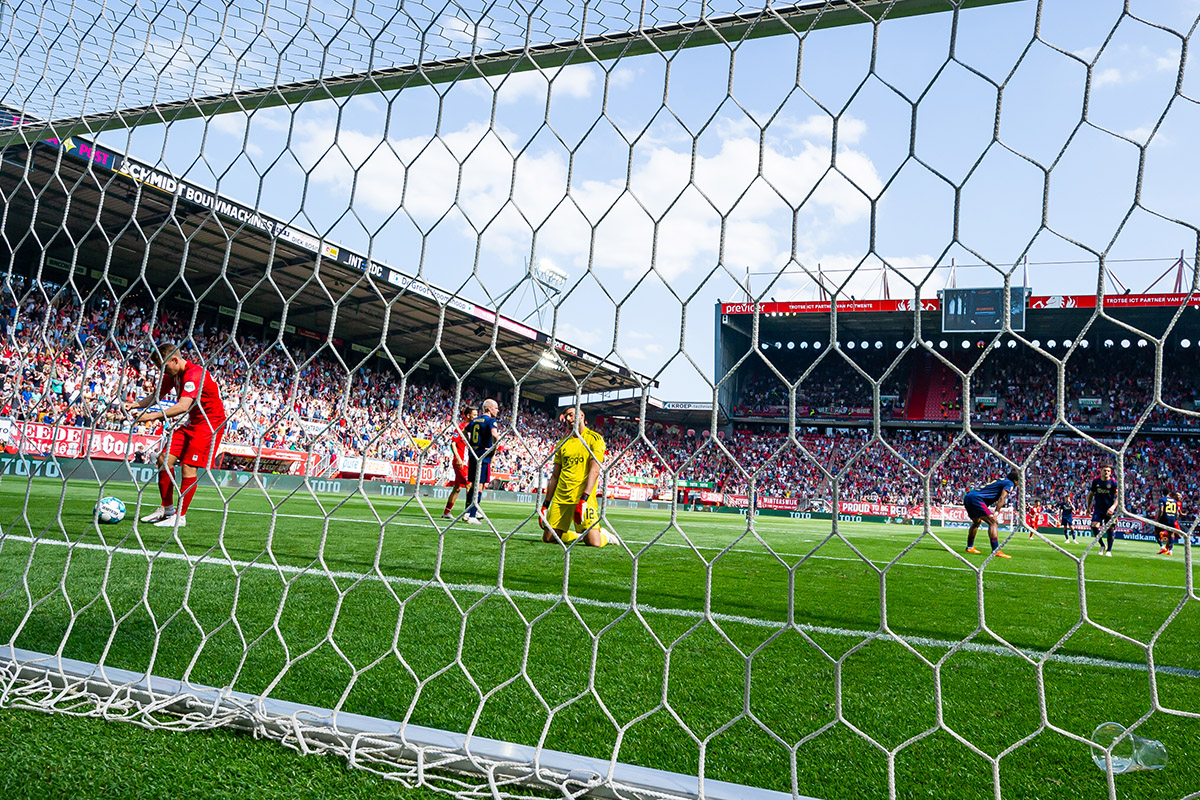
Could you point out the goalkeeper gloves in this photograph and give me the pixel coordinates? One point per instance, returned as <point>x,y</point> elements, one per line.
<point>542,516</point>
<point>585,514</point>
<point>580,507</point>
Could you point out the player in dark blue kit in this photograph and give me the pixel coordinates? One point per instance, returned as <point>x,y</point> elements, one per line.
<point>1102,497</point>
<point>1168,521</point>
<point>481,441</point>
<point>982,506</point>
<point>1067,515</point>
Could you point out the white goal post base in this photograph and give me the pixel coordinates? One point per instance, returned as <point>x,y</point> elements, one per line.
<point>79,687</point>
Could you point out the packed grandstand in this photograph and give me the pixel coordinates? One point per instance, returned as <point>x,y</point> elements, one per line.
<point>68,365</point>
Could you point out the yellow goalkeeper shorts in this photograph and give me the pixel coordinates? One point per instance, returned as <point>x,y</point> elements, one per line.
<point>561,517</point>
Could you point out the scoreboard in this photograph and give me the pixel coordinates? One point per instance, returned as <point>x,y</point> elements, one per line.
<point>981,310</point>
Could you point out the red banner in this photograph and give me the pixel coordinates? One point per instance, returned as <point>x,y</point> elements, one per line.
<point>743,501</point>
<point>778,503</point>
<point>819,306</point>
<point>875,509</point>
<point>36,438</point>
<point>246,451</point>
<point>401,471</point>
<point>622,491</point>
<point>1112,301</point>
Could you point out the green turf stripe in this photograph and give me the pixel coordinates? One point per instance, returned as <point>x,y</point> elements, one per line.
<point>916,641</point>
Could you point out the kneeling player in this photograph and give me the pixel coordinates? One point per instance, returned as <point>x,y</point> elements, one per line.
<point>1168,521</point>
<point>570,494</point>
<point>977,503</point>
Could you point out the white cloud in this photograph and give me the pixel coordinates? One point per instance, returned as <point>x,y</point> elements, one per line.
<point>1132,65</point>
<point>463,31</point>
<point>621,77</point>
<point>229,124</point>
<point>668,214</point>
<point>820,127</point>
<point>234,123</point>
<point>1165,64</point>
<point>1107,77</point>
<point>859,278</point>
<point>647,354</point>
<point>1141,135</point>
<point>594,339</point>
<point>576,81</point>
<point>1138,134</point>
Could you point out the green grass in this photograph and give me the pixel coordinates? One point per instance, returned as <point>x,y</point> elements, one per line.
<point>47,756</point>
<point>422,634</point>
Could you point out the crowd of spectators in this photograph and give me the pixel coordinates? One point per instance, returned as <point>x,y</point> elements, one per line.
<point>71,363</point>
<point>1103,387</point>
<point>832,386</point>
<point>894,469</point>
<point>66,363</point>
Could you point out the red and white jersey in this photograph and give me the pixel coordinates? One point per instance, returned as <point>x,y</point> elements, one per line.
<point>207,411</point>
<point>459,445</point>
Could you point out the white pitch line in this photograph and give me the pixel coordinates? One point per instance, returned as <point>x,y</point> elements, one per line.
<point>746,551</point>
<point>712,548</point>
<point>918,641</point>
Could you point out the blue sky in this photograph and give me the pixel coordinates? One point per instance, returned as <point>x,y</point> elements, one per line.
<point>640,178</point>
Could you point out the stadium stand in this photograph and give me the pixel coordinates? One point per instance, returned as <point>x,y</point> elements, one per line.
<point>65,363</point>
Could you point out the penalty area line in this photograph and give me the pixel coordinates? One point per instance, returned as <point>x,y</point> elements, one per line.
<point>473,588</point>
<point>714,548</point>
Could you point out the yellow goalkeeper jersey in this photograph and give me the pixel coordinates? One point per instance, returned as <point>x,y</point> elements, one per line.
<point>572,458</point>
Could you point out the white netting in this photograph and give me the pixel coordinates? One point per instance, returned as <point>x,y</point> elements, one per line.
<point>362,221</point>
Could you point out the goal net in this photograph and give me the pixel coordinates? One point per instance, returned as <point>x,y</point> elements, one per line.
<point>359,313</point>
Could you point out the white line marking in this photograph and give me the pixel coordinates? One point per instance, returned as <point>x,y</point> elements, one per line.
<point>918,641</point>
<point>660,543</point>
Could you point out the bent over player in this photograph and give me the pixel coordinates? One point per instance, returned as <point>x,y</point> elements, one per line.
<point>1168,521</point>
<point>571,492</point>
<point>983,504</point>
<point>194,444</point>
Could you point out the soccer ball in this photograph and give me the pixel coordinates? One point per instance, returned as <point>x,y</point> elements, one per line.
<point>110,510</point>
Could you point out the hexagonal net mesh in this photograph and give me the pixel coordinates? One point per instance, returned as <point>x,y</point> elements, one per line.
<point>333,342</point>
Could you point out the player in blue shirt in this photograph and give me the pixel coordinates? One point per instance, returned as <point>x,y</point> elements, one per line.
<point>1102,497</point>
<point>1168,521</point>
<point>982,506</point>
<point>1067,516</point>
<point>481,444</point>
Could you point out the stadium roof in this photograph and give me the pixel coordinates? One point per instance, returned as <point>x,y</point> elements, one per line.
<point>1047,317</point>
<point>693,414</point>
<point>144,225</point>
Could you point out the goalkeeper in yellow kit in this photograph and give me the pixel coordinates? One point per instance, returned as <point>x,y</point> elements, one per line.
<point>571,492</point>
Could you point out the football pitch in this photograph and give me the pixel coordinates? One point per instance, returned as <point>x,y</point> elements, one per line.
<point>759,657</point>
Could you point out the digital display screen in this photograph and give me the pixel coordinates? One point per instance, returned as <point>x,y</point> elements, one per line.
<point>981,310</point>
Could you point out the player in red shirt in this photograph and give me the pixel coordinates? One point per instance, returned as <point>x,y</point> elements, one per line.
<point>458,457</point>
<point>195,443</point>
